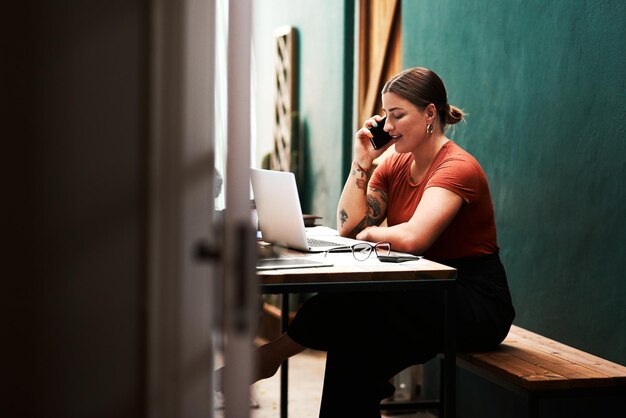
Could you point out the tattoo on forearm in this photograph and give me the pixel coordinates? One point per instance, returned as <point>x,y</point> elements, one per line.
<point>373,210</point>
<point>361,184</point>
<point>361,177</point>
<point>359,227</point>
<point>366,172</point>
<point>343,217</point>
<point>373,216</point>
<point>382,193</point>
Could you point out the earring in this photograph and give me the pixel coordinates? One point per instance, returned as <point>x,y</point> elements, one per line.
<point>429,129</point>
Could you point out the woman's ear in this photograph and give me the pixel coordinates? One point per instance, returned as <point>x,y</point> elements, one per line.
<point>430,112</point>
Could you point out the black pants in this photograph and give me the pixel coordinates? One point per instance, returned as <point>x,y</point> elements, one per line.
<point>370,337</point>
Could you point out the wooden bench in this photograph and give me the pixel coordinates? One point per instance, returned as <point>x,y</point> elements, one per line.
<point>539,368</point>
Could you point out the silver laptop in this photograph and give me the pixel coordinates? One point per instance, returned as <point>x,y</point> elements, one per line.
<point>280,214</point>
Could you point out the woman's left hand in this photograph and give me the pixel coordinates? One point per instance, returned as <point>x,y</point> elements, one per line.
<point>366,234</point>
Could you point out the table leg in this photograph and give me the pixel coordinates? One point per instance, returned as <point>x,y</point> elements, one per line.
<point>284,368</point>
<point>449,387</point>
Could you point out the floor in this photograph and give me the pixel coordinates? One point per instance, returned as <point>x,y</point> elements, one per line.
<point>306,374</point>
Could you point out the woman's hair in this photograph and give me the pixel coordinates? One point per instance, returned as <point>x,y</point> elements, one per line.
<point>421,87</point>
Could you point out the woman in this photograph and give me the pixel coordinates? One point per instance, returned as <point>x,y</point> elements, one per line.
<point>436,200</point>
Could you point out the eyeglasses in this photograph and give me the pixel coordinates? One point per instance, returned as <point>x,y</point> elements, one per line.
<point>362,250</point>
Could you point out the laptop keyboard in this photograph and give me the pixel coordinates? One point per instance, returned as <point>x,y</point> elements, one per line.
<point>320,242</point>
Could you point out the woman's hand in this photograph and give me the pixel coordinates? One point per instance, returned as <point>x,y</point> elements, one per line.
<point>364,152</point>
<point>366,234</point>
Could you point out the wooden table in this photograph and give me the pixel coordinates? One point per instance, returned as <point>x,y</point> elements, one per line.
<point>350,275</point>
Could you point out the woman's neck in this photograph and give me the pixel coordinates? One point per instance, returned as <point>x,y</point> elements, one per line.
<point>424,156</point>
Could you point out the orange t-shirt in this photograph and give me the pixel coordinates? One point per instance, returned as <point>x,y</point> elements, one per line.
<point>473,230</point>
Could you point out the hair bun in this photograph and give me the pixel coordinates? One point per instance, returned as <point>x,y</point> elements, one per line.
<point>454,115</point>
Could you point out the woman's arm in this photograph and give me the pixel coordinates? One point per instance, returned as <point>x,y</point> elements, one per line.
<point>361,206</point>
<point>432,216</point>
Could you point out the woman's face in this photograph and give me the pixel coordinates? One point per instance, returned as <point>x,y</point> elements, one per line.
<point>405,122</point>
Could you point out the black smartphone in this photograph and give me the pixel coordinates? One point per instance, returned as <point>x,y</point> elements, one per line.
<point>398,258</point>
<point>380,137</point>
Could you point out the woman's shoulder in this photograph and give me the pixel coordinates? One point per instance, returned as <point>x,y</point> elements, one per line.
<point>457,170</point>
<point>459,166</point>
<point>454,152</point>
<point>452,148</point>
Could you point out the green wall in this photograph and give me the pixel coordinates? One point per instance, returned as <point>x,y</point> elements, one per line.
<point>325,43</point>
<point>545,87</point>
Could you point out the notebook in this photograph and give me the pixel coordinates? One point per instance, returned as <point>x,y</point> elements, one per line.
<point>280,214</point>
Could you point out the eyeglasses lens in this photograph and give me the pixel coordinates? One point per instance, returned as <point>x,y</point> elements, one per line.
<point>361,251</point>
<point>383,248</point>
